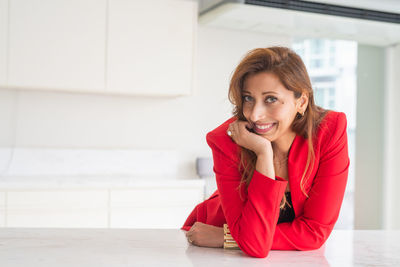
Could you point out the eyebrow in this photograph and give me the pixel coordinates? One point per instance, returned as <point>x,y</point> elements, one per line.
<point>263,93</point>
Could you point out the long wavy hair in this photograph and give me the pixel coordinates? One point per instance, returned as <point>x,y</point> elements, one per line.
<point>292,73</point>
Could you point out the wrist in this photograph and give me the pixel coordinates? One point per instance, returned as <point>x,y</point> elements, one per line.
<point>265,155</point>
<point>265,166</point>
<point>265,150</point>
<point>229,242</point>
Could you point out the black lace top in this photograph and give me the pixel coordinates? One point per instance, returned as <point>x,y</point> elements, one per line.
<point>287,214</point>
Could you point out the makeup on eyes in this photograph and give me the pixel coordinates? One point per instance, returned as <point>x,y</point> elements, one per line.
<point>274,98</point>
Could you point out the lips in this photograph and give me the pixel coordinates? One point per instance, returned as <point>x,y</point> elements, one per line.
<point>263,124</point>
<point>264,127</point>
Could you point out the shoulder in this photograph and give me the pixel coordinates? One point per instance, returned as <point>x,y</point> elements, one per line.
<point>332,130</point>
<point>332,119</point>
<point>333,122</point>
<point>219,140</point>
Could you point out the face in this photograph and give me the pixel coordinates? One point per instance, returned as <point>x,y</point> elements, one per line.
<point>269,106</point>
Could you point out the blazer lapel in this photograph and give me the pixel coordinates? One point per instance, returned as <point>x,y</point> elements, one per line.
<point>297,160</point>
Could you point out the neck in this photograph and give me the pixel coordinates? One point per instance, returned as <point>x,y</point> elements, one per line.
<point>282,145</point>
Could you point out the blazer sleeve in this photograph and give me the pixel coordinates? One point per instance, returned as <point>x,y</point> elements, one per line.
<point>253,219</point>
<point>321,210</point>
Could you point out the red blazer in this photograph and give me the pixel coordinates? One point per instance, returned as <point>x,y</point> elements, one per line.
<point>253,221</point>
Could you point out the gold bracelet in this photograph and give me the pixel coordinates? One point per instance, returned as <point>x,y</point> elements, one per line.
<point>229,242</point>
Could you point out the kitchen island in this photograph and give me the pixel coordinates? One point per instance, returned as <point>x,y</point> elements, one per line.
<point>169,247</point>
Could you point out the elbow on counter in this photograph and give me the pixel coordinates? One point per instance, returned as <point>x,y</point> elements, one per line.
<point>259,253</point>
<point>313,245</point>
<point>314,240</point>
<point>256,250</point>
<point>264,252</point>
<point>259,249</point>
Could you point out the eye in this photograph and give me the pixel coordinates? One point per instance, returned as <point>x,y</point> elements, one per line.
<point>271,99</point>
<point>245,99</point>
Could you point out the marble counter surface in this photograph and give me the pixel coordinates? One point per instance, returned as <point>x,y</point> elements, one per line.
<point>144,247</point>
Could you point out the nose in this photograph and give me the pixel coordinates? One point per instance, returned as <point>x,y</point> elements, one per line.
<point>257,113</point>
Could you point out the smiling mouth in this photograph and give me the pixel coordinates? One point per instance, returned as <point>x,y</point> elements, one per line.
<point>264,128</point>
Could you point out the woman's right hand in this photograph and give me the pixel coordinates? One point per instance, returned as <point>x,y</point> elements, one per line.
<point>252,141</point>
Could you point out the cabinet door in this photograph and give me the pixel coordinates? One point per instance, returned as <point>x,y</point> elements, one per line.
<point>2,209</point>
<point>57,208</point>
<point>57,44</point>
<point>3,42</point>
<point>151,47</point>
<point>153,207</point>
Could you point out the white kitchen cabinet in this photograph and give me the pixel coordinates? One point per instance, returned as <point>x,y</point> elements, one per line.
<point>150,48</point>
<point>81,188</point>
<point>152,207</point>
<point>165,205</point>
<point>3,42</point>
<point>57,44</point>
<point>117,208</point>
<point>101,46</point>
<point>57,208</point>
<point>2,209</point>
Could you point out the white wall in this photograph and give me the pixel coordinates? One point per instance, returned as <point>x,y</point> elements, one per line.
<point>391,185</point>
<point>377,142</point>
<point>369,138</point>
<point>69,120</point>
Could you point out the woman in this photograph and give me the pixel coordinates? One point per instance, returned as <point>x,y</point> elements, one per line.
<point>281,162</point>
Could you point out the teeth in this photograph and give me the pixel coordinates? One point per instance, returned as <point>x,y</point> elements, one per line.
<point>265,127</point>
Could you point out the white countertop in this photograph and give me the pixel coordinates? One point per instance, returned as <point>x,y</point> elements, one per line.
<point>148,247</point>
<point>95,182</point>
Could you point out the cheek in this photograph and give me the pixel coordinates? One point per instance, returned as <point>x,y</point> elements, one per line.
<point>283,116</point>
<point>246,111</point>
<point>279,114</point>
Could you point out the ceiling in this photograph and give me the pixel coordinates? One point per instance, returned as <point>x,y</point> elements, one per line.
<point>382,5</point>
<point>240,16</point>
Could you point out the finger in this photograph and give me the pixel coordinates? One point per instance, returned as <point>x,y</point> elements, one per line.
<point>189,239</point>
<point>232,134</point>
<point>236,129</point>
<point>229,131</point>
<point>230,127</point>
<point>248,125</point>
<point>245,125</point>
<point>189,232</point>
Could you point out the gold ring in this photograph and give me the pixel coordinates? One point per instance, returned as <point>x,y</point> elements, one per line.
<point>190,240</point>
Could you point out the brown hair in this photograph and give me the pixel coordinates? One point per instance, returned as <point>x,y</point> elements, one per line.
<point>292,73</point>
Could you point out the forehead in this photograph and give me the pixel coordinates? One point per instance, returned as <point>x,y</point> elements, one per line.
<point>264,82</point>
